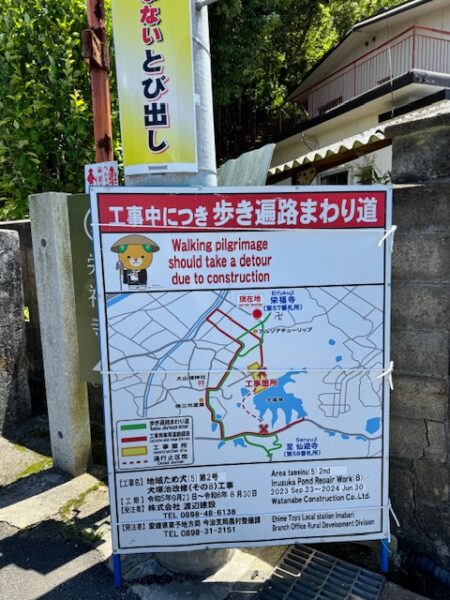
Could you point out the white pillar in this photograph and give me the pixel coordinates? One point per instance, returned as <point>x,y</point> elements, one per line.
<point>67,399</point>
<point>204,561</point>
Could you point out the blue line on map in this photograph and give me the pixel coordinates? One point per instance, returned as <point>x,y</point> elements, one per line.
<point>191,333</point>
<point>116,299</point>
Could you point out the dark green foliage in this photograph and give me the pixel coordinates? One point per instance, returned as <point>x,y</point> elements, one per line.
<point>45,125</point>
<point>263,48</point>
<point>366,173</point>
<point>46,132</point>
<point>260,50</point>
<point>253,43</point>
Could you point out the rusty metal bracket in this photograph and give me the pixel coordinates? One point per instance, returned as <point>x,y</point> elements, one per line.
<point>94,50</point>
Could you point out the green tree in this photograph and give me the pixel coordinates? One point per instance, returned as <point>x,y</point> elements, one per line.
<point>253,43</point>
<point>263,48</point>
<point>45,116</point>
<point>260,50</point>
<point>346,14</point>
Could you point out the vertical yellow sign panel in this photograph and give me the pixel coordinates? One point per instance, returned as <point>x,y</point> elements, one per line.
<point>154,65</point>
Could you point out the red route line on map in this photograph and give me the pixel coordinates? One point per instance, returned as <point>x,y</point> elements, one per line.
<point>225,375</point>
<point>261,355</point>
<point>240,344</point>
<point>268,434</point>
<point>236,323</point>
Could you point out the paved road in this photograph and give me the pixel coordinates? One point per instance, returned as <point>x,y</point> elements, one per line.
<point>39,563</point>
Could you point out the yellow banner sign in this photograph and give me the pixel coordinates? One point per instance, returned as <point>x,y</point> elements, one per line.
<point>154,66</point>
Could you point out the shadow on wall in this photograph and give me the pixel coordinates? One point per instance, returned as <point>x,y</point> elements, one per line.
<point>15,405</point>
<point>30,314</point>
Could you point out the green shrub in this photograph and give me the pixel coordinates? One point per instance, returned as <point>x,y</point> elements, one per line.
<point>45,117</point>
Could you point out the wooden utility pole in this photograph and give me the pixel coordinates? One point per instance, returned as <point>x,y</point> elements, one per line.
<point>95,50</point>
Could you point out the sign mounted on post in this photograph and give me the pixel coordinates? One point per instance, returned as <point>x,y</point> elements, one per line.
<point>245,347</point>
<point>154,65</point>
<point>105,174</point>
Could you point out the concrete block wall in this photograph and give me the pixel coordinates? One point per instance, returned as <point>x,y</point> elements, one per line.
<point>420,447</point>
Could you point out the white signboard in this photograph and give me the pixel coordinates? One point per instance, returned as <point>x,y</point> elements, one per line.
<point>245,345</point>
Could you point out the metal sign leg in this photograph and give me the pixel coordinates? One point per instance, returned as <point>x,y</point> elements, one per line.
<point>384,555</point>
<point>117,568</point>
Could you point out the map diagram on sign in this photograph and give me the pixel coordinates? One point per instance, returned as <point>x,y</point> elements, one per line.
<point>267,374</point>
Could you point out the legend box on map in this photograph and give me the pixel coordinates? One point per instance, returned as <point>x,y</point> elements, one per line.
<point>158,442</point>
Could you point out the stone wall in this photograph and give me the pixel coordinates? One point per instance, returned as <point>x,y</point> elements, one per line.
<point>32,328</point>
<point>33,341</point>
<point>14,393</point>
<point>419,486</point>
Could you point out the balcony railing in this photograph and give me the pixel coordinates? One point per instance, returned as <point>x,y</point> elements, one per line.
<point>415,48</point>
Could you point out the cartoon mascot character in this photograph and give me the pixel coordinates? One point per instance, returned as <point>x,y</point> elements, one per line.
<point>135,256</point>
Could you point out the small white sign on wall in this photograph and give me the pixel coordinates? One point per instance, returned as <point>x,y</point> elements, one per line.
<point>105,174</point>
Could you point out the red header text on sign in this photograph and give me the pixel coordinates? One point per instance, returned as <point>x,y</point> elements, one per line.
<point>242,211</point>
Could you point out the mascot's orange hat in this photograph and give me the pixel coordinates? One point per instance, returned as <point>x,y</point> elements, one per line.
<point>134,240</point>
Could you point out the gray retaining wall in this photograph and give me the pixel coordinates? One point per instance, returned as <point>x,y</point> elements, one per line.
<point>32,328</point>
<point>420,479</point>
<point>14,393</point>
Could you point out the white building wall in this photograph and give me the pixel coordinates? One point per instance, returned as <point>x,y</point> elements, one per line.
<point>364,117</point>
<point>340,78</point>
<point>437,19</point>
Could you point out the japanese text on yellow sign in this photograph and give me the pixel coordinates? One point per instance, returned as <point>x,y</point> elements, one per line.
<point>153,44</point>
